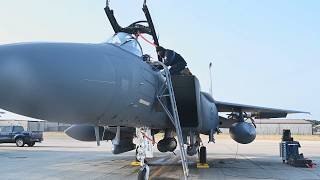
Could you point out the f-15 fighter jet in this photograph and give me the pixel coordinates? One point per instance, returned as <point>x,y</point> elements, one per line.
<point>108,90</point>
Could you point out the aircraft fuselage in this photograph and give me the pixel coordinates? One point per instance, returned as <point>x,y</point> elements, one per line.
<point>79,83</point>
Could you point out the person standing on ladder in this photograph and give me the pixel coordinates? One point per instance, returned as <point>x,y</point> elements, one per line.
<point>175,60</point>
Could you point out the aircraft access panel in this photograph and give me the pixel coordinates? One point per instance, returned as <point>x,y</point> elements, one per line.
<point>185,94</point>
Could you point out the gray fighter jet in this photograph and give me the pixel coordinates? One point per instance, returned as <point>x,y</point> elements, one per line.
<point>108,90</point>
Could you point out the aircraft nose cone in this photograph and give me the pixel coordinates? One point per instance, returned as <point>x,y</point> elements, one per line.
<point>16,77</point>
<point>60,81</point>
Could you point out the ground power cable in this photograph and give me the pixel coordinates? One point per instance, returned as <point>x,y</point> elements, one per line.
<point>236,155</point>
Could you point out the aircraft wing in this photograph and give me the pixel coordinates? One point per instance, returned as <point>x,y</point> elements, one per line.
<point>258,112</point>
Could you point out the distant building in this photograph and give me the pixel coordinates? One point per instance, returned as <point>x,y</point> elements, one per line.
<point>276,126</point>
<point>316,129</point>
<point>30,124</point>
<point>55,127</point>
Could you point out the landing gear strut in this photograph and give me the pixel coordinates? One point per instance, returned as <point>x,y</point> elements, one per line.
<point>143,173</point>
<point>144,150</point>
<point>202,158</point>
<point>194,144</point>
<point>203,155</point>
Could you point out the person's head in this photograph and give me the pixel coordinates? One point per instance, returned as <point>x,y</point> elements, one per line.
<point>161,51</point>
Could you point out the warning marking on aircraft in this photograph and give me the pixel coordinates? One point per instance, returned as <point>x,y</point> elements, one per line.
<point>144,102</point>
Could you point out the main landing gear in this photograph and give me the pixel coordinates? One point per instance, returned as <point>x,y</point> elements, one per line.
<point>202,154</point>
<point>195,146</point>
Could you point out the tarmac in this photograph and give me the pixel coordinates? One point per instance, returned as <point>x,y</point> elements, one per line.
<point>60,157</point>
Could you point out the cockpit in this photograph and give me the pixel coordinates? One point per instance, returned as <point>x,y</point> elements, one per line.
<point>126,42</point>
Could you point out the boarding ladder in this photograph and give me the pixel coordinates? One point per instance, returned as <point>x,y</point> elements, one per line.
<point>167,91</point>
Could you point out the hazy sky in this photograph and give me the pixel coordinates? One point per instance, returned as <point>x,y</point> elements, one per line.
<point>264,53</point>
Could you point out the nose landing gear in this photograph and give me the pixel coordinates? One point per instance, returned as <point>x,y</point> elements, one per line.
<point>143,173</point>
<point>196,146</point>
<point>143,151</point>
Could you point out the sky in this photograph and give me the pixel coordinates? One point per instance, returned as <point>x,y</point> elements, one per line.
<point>264,53</point>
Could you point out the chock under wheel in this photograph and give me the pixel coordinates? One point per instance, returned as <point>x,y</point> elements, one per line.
<point>202,165</point>
<point>135,163</point>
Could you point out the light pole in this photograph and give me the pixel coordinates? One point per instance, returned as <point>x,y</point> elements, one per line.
<point>210,67</point>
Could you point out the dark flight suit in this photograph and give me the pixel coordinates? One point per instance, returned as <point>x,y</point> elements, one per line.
<point>174,60</point>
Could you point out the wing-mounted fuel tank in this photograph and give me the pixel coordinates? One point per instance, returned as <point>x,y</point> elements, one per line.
<point>196,109</point>
<point>85,132</point>
<point>239,130</point>
<point>242,132</point>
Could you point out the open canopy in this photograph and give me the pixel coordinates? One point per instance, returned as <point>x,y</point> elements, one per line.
<point>127,42</point>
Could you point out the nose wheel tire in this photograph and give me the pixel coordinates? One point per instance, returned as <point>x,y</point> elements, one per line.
<point>143,173</point>
<point>20,142</point>
<point>137,160</point>
<point>203,155</point>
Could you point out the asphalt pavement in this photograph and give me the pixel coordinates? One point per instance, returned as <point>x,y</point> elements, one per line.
<point>60,157</point>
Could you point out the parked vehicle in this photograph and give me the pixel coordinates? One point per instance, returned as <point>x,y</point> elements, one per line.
<point>17,134</point>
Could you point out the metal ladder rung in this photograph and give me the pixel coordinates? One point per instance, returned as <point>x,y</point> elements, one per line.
<point>173,116</point>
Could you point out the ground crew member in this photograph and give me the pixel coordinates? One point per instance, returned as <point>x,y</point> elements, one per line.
<point>173,59</point>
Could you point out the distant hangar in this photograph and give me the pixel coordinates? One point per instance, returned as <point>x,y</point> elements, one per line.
<point>276,126</point>
<point>30,124</point>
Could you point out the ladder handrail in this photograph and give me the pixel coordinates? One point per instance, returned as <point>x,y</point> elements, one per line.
<point>173,115</point>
